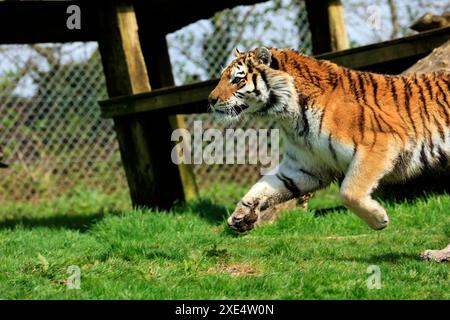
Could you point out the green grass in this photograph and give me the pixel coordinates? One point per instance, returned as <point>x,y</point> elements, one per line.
<point>190,254</point>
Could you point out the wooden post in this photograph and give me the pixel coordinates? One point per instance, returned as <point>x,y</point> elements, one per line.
<point>144,140</point>
<point>338,32</point>
<point>327,25</point>
<point>156,55</point>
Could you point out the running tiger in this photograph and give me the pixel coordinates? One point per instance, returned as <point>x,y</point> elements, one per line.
<point>338,124</point>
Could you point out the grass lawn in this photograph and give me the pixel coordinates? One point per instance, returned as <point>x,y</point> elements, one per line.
<point>189,253</point>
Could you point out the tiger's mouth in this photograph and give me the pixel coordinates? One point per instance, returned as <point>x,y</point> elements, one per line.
<point>232,111</point>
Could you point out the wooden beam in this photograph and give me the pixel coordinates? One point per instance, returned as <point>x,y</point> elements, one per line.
<point>327,26</point>
<point>153,179</point>
<point>45,21</point>
<point>185,99</point>
<point>191,98</point>
<point>390,56</point>
<point>183,12</point>
<point>23,22</point>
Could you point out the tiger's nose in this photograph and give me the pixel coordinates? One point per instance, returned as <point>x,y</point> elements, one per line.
<point>212,100</point>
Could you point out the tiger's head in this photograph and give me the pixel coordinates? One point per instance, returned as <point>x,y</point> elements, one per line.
<point>252,84</point>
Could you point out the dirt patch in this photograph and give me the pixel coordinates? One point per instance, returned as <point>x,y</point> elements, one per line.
<point>236,269</point>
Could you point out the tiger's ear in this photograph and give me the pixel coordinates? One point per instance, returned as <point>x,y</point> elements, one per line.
<point>263,55</point>
<point>237,52</point>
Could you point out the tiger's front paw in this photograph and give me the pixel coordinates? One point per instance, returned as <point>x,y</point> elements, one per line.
<point>244,217</point>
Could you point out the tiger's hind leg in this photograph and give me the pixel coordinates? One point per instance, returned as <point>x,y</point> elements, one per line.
<point>437,255</point>
<point>363,176</point>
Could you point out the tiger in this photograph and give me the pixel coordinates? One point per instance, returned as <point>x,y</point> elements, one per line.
<point>337,124</point>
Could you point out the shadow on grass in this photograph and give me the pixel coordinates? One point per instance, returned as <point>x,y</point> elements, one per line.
<point>421,187</point>
<point>205,209</point>
<point>326,211</point>
<point>384,257</point>
<point>80,222</point>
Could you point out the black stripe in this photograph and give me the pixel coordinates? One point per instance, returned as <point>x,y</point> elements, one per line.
<point>428,86</point>
<point>299,68</point>
<point>322,116</point>
<point>373,131</point>
<point>361,86</point>
<point>351,83</point>
<point>444,109</point>
<point>447,82</point>
<point>424,159</point>
<point>333,78</point>
<point>443,158</point>
<point>305,130</point>
<point>375,89</point>
<point>282,62</point>
<point>391,129</point>
<point>289,184</point>
<point>285,56</point>
<point>275,64</point>
<point>330,146</point>
<point>308,72</point>
<point>241,85</point>
<point>246,204</point>
<point>367,106</point>
<point>362,123</point>
<point>424,114</point>
<point>313,78</point>
<point>442,106</point>
<point>273,100</point>
<point>407,103</point>
<point>374,142</point>
<point>444,95</point>
<point>428,134</point>
<point>308,173</point>
<point>375,116</point>
<point>394,93</point>
<point>264,77</point>
<point>254,80</point>
<point>422,97</point>
<point>312,176</point>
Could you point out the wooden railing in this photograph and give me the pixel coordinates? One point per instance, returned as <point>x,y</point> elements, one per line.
<point>386,57</point>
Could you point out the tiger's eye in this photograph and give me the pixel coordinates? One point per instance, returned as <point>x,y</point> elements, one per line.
<point>236,80</point>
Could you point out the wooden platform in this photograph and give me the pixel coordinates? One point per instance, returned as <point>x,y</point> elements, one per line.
<point>49,18</point>
<point>385,57</point>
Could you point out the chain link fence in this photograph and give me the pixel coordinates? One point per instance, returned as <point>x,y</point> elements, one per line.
<point>52,136</point>
<point>51,132</point>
